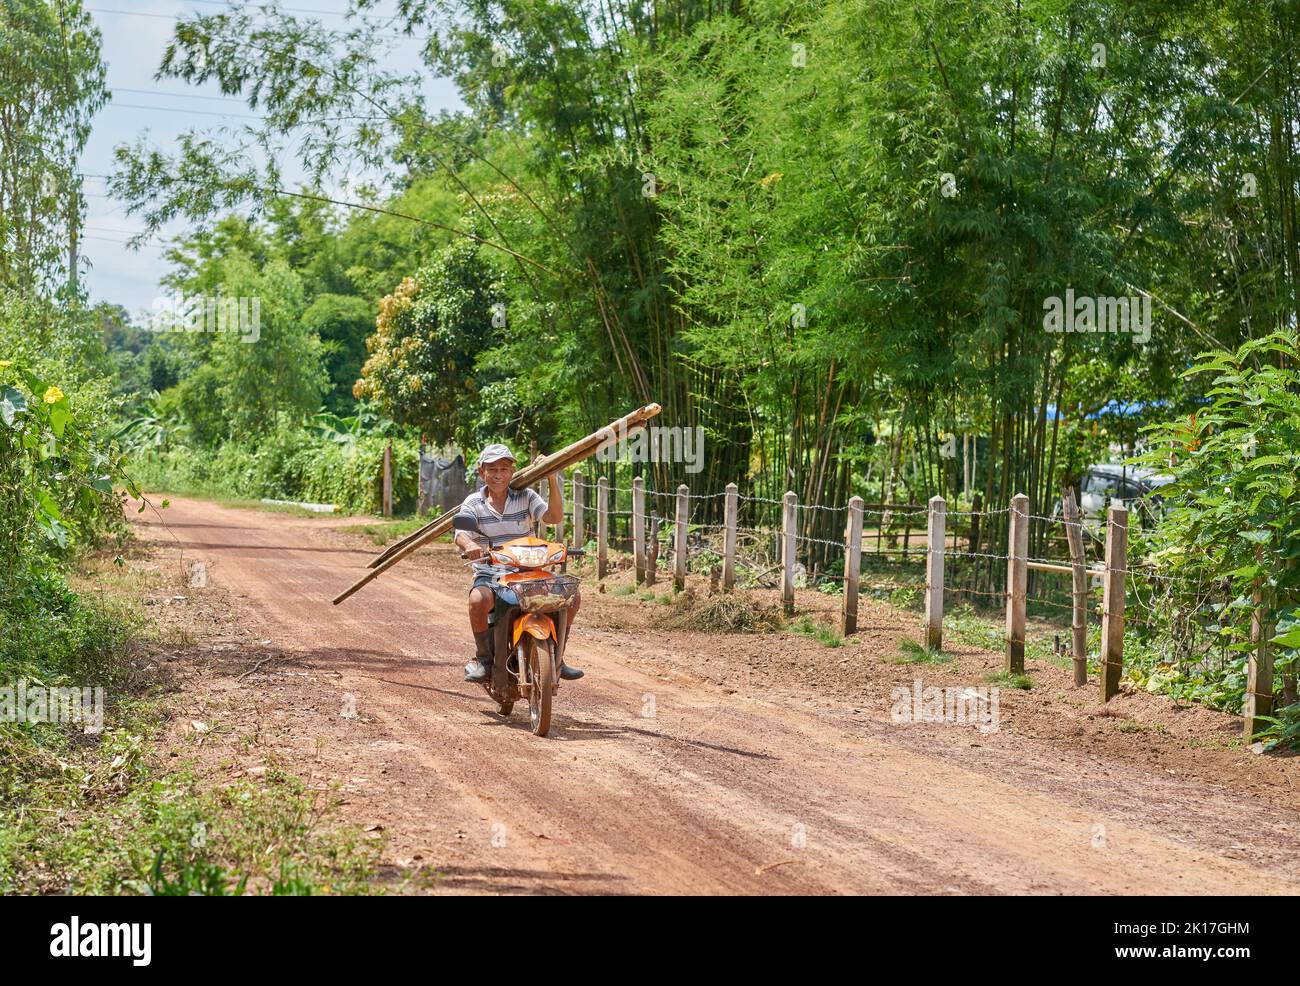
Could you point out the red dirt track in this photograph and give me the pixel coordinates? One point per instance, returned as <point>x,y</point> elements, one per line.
<point>727,788</point>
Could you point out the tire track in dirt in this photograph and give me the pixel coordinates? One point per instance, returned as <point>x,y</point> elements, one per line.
<point>717,793</point>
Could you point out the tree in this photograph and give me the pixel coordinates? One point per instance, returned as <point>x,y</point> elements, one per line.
<point>52,81</point>
<point>428,337</point>
<point>272,372</point>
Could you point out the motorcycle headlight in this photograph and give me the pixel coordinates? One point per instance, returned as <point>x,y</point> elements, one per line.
<point>530,556</point>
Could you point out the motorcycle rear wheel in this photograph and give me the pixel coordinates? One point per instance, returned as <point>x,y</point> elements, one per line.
<point>541,677</point>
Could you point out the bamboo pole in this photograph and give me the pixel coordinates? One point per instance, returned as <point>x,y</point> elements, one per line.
<point>1079,587</point>
<point>569,455</point>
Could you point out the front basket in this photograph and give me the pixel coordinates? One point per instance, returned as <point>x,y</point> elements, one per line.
<point>546,595</point>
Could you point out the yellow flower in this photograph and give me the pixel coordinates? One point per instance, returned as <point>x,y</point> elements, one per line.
<point>53,395</point>
<point>775,176</point>
<point>6,362</point>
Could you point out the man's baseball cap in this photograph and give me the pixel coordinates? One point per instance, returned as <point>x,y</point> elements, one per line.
<point>494,453</point>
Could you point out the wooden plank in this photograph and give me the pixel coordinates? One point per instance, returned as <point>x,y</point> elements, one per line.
<point>638,528</point>
<point>1258,700</point>
<point>1017,583</point>
<point>788,553</point>
<point>729,538</point>
<point>679,537</point>
<point>1112,621</point>
<point>1078,587</point>
<point>602,526</point>
<point>937,519</point>
<point>852,566</point>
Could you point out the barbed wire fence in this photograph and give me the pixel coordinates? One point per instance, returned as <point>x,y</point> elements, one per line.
<point>978,557</point>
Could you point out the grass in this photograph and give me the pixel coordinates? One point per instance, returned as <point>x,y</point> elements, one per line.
<point>913,653</point>
<point>824,635</point>
<point>1010,679</point>
<point>1197,743</point>
<point>117,826</point>
<point>383,532</point>
<point>112,812</point>
<point>989,633</point>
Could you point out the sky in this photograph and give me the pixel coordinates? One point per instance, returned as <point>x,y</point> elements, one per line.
<point>135,34</point>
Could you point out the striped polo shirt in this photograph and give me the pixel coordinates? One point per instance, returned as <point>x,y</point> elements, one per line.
<point>522,509</point>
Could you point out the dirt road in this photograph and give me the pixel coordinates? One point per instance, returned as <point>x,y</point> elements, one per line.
<point>658,780</point>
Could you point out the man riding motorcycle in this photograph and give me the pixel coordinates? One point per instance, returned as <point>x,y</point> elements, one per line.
<point>500,514</point>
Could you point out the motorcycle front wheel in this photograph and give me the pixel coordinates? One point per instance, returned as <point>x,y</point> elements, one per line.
<point>540,660</point>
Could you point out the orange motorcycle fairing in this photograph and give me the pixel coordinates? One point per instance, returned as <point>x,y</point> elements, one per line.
<point>525,576</point>
<point>539,625</point>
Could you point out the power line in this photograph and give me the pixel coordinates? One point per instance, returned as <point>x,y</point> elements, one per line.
<point>397,35</point>
<point>182,109</point>
<point>180,95</point>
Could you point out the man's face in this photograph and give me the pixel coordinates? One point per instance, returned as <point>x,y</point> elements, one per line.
<point>497,474</point>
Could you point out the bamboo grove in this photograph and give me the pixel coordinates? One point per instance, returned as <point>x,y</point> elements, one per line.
<point>824,232</point>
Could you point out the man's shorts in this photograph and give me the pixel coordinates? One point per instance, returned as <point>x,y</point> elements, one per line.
<point>482,579</point>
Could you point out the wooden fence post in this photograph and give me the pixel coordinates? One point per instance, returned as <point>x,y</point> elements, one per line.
<point>652,549</point>
<point>729,538</point>
<point>558,527</point>
<point>679,537</point>
<point>638,528</point>
<point>1258,700</point>
<point>1112,603</point>
<point>973,542</point>
<point>938,516</point>
<point>1079,587</point>
<point>579,504</point>
<point>788,553</point>
<point>602,527</point>
<point>852,566</point>
<point>1017,582</point>
<point>388,480</point>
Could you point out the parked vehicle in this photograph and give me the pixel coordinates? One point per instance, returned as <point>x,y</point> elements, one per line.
<point>1133,486</point>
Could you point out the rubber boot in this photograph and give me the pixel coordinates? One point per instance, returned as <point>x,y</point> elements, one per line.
<point>479,668</point>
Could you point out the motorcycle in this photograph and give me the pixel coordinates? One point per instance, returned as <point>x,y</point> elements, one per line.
<point>529,625</point>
